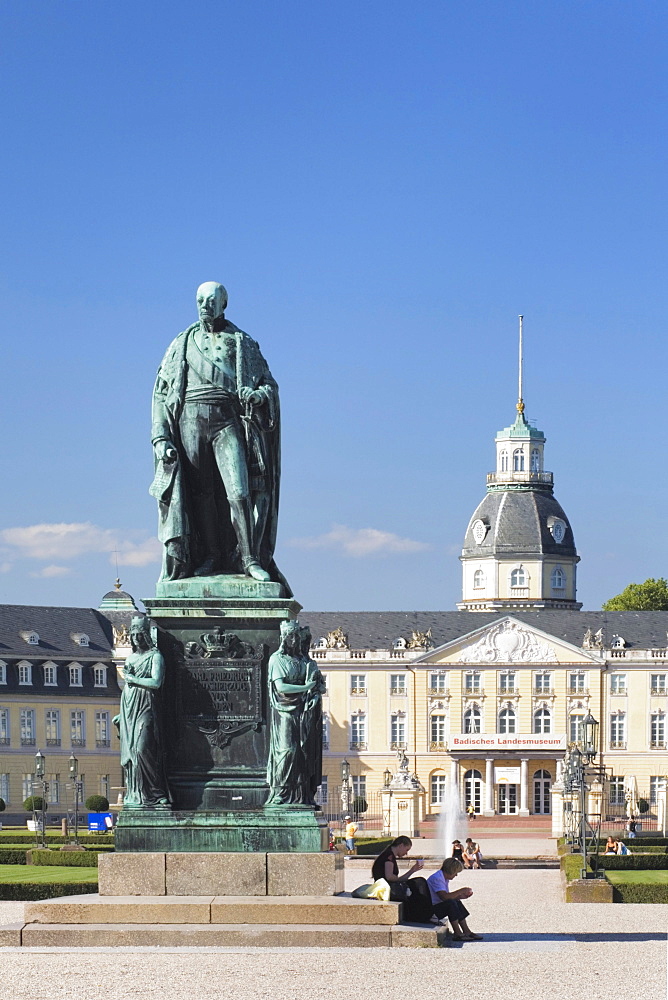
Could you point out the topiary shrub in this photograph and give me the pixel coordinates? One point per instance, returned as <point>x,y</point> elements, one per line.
<point>97,804</point>
<point>360,804</point>
<point>34,803</point>
<point>643,806</point>
<point>3,805</point>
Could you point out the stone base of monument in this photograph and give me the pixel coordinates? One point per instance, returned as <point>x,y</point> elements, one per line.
<point>214,921</point>
<point>221,874</point>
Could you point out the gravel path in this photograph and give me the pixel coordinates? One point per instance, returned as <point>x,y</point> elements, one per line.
<point>535,946</point>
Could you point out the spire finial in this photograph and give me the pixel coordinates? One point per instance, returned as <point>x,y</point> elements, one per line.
<point>118,584</point>
<point>520,400</point>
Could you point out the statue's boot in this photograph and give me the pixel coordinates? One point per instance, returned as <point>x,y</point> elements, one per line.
<point>240,510</point>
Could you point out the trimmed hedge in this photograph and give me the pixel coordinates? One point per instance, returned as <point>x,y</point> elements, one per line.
<point>630,862</point>
<point>12,857</point>
<point>640,893</point>
<point>44,890</point>
<point>63,859</point>
<point>11,837</point>
<point>654,840</point>
<point>571,865</point>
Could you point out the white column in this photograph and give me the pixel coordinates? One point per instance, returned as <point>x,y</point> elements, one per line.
<point>454,782</point>
<point>489,787</point>
<point>524,787</point>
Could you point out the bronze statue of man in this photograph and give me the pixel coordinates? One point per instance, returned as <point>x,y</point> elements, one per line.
<point>216,438</point>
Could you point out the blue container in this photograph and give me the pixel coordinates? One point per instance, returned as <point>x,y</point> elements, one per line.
<point>97,822</point>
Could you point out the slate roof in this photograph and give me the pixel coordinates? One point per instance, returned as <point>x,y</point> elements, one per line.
<point>53,625</point>
<point>518,526</point>
<point>379,629</point>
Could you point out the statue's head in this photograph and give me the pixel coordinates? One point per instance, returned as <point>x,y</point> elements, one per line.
<point>290,636</point>
<point>140,632</point>
<point>211,302</point>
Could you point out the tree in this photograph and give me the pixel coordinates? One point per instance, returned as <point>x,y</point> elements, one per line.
<point>34,804</point>
<point>3,805</point>
<point>652,595</point>
<point>97,803</point>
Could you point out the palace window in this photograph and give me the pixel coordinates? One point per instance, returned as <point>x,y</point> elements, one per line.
<point>656,783</point>
<point>438,786</point>
<point>26,786</point>
<point>54,789</point>
<point>78,728</point>
<point>105,785</point>
<point>657,729</point>
<point>76,674</point>
<point>617,797</point>
<point>4,728</point>
<point>507,720</point>
<point>438,683</point>
<point>358,731</point>
<point>321,794</point>
<point>542,721</point>
<point>99,676</point>
<point>617,683</point>
<point>472,682</point>
<point>438,730</point>
<point>542,683</point>
<point>558,579</point>
<point>478,580</point>
<point>507,682</point>
<point>503,461</point>
<point>53,727</point>
<point>50,675</point>
<point>358,683</point>
<point>658,682</point>
<point>4,787</point>
<point>575,727</point>
<point>27,718</point>
<point>518,577</point>
<point>325,730</point>
<point>25,673</point>
<point>397,683</point>
<point>577,683</point>
<point>102,730</point>
<point>472,720</point>
<point>518,460</point>
<point>3,675</point>
<point>618,731</point>
<point>535,460</point>
<point>398,730</point>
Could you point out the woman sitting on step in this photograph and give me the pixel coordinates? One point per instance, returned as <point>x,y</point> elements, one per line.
<point>449,904</point>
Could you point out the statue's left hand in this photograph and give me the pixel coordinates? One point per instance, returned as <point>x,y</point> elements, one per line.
<point>248,395</point>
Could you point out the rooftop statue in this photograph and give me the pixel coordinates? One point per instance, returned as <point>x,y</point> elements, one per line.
<point>216,438</point>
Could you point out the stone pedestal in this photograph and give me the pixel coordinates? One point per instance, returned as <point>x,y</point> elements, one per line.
<point>216,635</point>
<point>557,806</point>
<point>405,812</point>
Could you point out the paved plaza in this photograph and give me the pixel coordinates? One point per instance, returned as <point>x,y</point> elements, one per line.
<point>535,946</point>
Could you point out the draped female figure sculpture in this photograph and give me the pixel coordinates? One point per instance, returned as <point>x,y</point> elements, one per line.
<point>288,770</point>
<point>140,720</point>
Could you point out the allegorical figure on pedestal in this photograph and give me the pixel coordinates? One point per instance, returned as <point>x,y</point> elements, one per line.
<point>140,720</point>
<point>216,438</point>
<point>312,714</point>
<point>294,707</point>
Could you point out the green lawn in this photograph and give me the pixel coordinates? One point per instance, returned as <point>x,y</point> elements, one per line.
<point>46,873</point>
<point>654,877</point>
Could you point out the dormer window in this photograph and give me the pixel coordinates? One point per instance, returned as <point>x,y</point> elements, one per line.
<point>80,638</point>
<point>3,672</point>
<point>618,642</point>
<point>100,675</point>
<point>32,638</point>
<point>399,643</point>
<point>76,675</point>
<point>25,673</point>
<point>50,675</point>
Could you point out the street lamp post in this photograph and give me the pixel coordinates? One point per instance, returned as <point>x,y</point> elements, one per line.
<point>345,787</point>
<point>74,775</point>
<point>40,773</point>
<point>575,782</point>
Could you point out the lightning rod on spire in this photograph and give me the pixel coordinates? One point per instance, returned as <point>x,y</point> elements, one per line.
<point>520,400</point>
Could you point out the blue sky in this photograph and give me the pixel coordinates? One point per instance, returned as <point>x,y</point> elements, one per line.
<point>382,187</point>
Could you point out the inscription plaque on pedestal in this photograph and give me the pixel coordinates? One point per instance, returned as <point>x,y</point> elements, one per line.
<point>222,698</point>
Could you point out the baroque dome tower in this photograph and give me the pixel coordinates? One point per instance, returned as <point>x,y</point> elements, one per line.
<point>519,550</point>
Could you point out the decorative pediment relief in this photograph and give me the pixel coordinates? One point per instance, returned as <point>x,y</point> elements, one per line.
<point>509,642</point>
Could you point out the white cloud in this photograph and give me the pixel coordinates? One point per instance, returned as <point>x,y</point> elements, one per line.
<point>67,541</point>
<point>359,542</point>
<point>5,567</point>
<point>48,571</point>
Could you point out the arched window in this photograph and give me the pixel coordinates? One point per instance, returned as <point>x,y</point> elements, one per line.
<point>507,719</point>
<point>503,461</point>
<point>478,579</point>
<point>518,577</point>
<point>438,782</point>
<point>542,721</point>
<point>542,782</point>
<point>558,578</point>
<point>535,460</point>
<point>472,720</point>
<point>518,460</point>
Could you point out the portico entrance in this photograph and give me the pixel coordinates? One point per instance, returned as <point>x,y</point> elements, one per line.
<point>508,799</point>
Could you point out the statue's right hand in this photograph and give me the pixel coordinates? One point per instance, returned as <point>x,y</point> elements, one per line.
<point>165,451</point>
